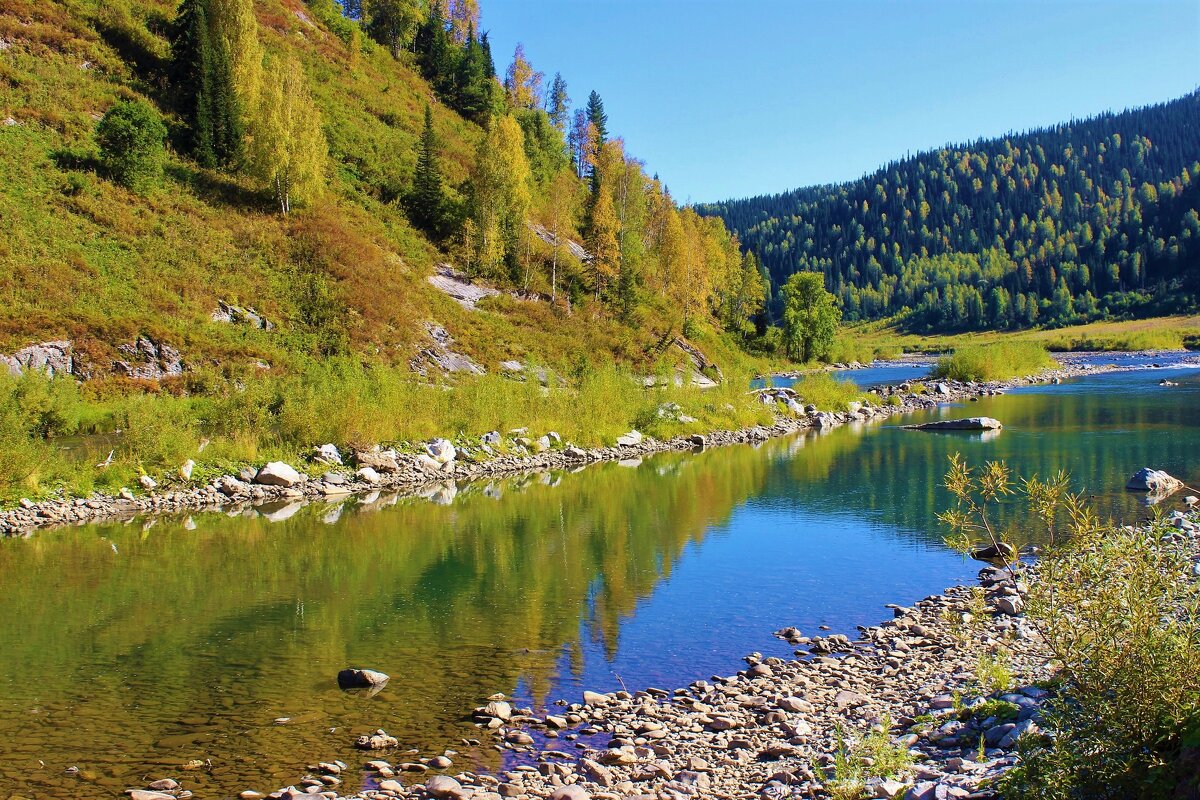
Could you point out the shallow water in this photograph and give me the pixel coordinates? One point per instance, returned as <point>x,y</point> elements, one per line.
<point>131,649</point>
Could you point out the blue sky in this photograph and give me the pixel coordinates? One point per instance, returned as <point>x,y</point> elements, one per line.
<point>736,98</point>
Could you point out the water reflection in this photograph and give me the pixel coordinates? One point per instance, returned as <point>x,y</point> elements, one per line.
<point>130,649</point>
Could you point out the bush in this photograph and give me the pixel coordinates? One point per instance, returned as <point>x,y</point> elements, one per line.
<point>1118,609</point>
<point>131,136</point>
<point>994,362</point>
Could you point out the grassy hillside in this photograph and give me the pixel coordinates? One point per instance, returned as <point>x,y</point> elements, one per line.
<point>81,258</point>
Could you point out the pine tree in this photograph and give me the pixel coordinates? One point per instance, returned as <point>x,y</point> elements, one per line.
<point>489,63</point>
<point>596,116</point>
<point>426,203</point>
<point>202,76</point>
<point>558,103</point>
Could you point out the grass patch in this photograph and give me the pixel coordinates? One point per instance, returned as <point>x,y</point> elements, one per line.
<point>994,362</point>
<point>826,392</point>
<point>221,422</point>
<point>859,759</point>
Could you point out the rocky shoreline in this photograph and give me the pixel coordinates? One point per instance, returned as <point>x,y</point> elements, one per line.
<point>491,456</point>
<point>944,692</point>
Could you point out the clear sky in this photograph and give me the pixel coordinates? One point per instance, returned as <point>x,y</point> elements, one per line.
<point>743,97</point>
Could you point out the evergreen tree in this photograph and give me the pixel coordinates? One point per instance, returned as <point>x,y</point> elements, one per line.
<point>426,203</point>
<point>473,87</point>
<point>596,116</point>
<point>392,23</point>
<point>489,63</point>
<point>558,103</point>
<point>202,77</point>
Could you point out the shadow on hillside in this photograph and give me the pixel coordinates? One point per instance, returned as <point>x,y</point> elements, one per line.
<point>214,188</point>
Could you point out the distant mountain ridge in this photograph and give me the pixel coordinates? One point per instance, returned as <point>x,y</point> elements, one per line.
<point>1083,220</point>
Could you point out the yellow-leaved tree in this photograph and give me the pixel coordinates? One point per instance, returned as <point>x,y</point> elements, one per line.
<point>288,147</point>
<point>500,200</point>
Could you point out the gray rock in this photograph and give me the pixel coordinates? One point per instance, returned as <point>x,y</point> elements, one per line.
<point>277,473</point>
<point>1154,481</point>
<point>148,483</point>
<point>1010,605</point>
<point>335,478</point>
<point>368,475</point>
<point>53,358</point>
<point>967,424</point>
<point>571,451</point>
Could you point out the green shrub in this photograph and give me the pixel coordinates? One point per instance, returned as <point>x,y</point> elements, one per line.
<point>857,760</point>
<point>131,136</point>
<point>994,362</point>
<point>1118,609</point>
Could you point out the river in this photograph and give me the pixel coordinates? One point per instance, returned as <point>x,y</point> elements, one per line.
<point>130,649</point>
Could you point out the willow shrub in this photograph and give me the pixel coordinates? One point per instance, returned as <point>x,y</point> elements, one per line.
<point>826,392</point>
<point>1118,609</point>
<point>994,362</point>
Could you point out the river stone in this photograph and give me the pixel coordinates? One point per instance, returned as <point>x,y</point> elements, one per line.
<point>164,785</point>
<point>353,678</point>
<point>631,439</point>
<point>497,709</point>
<point>143,794</point>
<point>147,483</point>
<point>368,475</point>
<point>1154,481</point>
<point>572,792</point>
<point>571,451</point>
<point>967,424</point>
<point>1010,605</point>
<point>594,698</point>
<point>383,461</point>
<point>441,451</point>
<point>443,786</point>
<point>229,485</point>
<point>994,552</point>
<point>277,473</point>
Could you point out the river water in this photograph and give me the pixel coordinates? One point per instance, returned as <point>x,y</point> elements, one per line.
<point>130,649</point>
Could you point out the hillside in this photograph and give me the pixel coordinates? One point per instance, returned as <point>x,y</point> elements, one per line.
<point>1086,220</point>
<point>345,273</point>
<point>235,229</point>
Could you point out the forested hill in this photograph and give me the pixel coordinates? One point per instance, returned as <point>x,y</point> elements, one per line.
<point>1083,220</point>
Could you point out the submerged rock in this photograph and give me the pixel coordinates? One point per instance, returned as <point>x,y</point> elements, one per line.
<point>995,552</point>
<point>353,678</point>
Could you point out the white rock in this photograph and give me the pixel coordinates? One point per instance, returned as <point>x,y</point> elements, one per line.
<point>368,475</point>
<point>147,483</point>
<point>277,473</point>
<point>630,439</point>
<point>1154,481</point>
<point>441,451</point>
<point>327,454</point>
<point>185,471</point>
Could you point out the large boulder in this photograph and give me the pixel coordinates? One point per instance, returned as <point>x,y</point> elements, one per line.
<point>1002,551</point>
<point>968,424</point>
<point>1154,481</point>
<point>382,461</point>
<point>327,454</point>
<point>277,473</point>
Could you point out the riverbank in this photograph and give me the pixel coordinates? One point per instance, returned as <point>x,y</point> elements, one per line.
<point>332,474</point>
<point>930,704</point>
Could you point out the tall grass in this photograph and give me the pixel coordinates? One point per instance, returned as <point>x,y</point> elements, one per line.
<point>994,362</point>
<point>223,423</point>
<point>826,392</point>
<point>1162,339</point>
